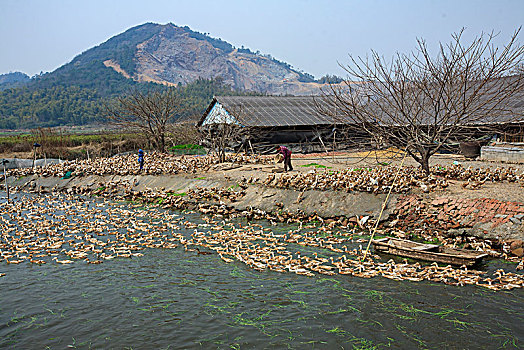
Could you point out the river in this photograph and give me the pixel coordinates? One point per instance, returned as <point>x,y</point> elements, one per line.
<point>178,299</point>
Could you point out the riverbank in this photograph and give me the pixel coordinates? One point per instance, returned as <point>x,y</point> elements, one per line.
<point>439,208</point>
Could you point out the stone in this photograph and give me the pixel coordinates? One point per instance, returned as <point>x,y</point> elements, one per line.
<point>518,252</point>
<point>515,244</point>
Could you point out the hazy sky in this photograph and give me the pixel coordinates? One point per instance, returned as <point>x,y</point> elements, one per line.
<point>41,35</point>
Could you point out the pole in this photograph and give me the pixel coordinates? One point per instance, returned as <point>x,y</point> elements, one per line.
<point>35,146</point>
<point>384,205</point>
<point>334,137</point>
<point>5,179</point>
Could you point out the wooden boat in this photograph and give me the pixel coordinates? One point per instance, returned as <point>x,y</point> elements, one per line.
<point>428,252</point>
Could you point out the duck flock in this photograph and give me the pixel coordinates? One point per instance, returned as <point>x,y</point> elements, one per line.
<point>65,227</point>
<point>382,179</point>
<point>374,180</point>
<point>155,164</point>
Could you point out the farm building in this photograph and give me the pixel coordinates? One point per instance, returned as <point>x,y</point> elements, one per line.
<point>295,121</point>
<point>270,120</point>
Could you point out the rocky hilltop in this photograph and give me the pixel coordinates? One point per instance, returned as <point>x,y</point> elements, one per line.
<point>173,55</point>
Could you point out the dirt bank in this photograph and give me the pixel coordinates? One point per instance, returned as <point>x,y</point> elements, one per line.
<point>495,210</point>
<point>326,204</point>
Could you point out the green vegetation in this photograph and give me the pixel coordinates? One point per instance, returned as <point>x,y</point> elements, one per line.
<point>46,107</point>
<point>316,166</point>
<point>330,79</point>
<point>187,146</point>
<point>188,149</point>
<point>44,104</point>
<point>181,194</point>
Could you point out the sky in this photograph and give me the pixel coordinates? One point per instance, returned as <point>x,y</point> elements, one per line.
<point>315,36</point>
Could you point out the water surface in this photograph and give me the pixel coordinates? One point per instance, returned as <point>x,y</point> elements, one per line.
<point>173,298</point>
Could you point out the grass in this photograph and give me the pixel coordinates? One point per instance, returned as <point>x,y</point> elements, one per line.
<point>432,241</point>
<point>58,144</point>
<point>188,149</point>
<point>315,165</point>
<point>187,146</point>
<point>181,194</point>
<point>67,139</point>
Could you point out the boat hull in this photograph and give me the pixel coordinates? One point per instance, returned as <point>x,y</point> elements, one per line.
<point>427,252</point>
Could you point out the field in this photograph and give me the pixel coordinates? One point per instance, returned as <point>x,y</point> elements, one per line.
<point>69,144</point>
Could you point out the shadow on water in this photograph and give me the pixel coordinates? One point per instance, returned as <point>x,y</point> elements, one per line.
<point>172,298</point>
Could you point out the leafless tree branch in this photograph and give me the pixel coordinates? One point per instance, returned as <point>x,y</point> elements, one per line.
<point>420,103</point>
<point>149,113</point>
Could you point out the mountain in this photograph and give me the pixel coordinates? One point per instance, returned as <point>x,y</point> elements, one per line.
<point>172,55</point>
<point>175,55</point>
<point>145,57</point>
<point>13,79</point>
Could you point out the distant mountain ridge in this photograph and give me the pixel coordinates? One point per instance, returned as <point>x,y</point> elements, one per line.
<point>171,55</point>
<point>146,57</point>
<point>13,79</point>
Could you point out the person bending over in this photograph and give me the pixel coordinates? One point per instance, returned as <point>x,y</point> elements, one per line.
<point>286,153</point>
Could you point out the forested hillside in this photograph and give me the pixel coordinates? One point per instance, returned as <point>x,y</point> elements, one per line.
<point>58,105</point>
<point>13,79</point>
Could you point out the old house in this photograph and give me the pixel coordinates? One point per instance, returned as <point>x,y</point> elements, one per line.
<point>271,120</point>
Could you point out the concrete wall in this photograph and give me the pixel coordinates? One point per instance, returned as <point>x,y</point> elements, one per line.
<point>506,153</point>
<point>323,203</point>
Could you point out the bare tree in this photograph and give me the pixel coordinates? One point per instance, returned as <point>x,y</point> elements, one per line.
<point>420,103</point>
<point>148,113</point>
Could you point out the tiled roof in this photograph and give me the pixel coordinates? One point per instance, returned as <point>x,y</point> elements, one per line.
<point>270,111</point>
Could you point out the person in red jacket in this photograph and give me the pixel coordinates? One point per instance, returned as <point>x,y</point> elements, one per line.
<point>287,157</point>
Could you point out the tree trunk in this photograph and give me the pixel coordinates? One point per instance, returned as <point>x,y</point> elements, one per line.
<point>162,143</point>
<point>424,162</point>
